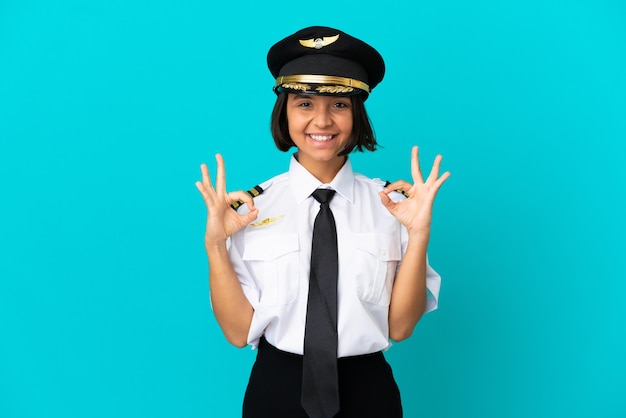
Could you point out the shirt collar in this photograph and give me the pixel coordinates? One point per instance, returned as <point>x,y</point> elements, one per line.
<point>304,183</point>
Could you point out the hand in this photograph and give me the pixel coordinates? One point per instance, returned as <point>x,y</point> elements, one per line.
<point>415,213</point>
<point>222,220</point>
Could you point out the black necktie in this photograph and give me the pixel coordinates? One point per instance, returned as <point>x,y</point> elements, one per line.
<point>320,388</point>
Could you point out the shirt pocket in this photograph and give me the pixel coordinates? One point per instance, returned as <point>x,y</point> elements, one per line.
<point>274,263</point>
<point>377,259</point>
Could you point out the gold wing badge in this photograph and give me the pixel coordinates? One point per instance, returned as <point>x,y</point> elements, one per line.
<point>267,221</point>
<point>318,43</point>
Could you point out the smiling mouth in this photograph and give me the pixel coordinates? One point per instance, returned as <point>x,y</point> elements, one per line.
<point>321,138</point>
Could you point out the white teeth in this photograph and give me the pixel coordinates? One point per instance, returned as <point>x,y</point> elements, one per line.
<point>321,137</point>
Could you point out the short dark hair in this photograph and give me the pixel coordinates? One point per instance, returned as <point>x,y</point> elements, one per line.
<point>362,131</point>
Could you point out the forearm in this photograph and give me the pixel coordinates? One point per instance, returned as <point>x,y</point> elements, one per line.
<point>230,305</point>
<point>408,298</point>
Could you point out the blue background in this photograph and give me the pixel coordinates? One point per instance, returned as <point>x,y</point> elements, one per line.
<point>107,108</point>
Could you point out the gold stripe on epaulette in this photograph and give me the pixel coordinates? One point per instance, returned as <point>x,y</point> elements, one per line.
<point>253,192</point>
<point>402,192</point>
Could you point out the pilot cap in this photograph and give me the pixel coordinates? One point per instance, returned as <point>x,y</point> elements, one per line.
<point>324,61</point>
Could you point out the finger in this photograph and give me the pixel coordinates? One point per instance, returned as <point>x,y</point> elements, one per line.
<point>386,201</point>
<point>201,189</point>
<point>206,178</point>
<point>220,179</point>
<point>416,172</point>
<point>242,197</point>
<point>398,184</point>
<point>205,187</point>
<point>208,194</point>
<point>442,179</point>
<point>250,216</point>
<point>434,172</point>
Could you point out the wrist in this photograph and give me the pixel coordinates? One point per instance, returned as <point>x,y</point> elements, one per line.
<point>420,238</point>
<point>215,245</point>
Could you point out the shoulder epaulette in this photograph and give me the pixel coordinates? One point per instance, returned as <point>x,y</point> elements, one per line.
<point>405,194</point>
<point>253,192</point>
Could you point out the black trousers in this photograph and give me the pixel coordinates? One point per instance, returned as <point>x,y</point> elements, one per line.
<point>367,388</point>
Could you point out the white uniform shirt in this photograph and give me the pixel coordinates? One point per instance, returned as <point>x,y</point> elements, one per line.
<point>272,256</point>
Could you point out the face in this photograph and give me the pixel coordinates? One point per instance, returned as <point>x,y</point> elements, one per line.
<point>321,127</point>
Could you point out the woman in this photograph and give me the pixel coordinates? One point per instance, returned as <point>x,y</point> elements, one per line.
<point>323,266</point>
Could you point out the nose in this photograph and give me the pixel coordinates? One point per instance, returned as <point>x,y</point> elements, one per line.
<point>322,117</point>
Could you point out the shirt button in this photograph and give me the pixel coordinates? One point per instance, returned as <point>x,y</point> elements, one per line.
<point>383,252</point>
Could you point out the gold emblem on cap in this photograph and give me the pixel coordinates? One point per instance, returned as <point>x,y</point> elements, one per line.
<point>318,43</point>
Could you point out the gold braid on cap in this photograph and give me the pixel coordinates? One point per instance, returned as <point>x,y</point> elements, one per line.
<point>296,86</point>
<point>350,83</point>
<point>334,89</point>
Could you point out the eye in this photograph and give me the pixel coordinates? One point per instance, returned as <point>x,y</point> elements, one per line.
<point>342,105</point>
<point>304,104</point>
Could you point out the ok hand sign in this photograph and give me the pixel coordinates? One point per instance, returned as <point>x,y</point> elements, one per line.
<point>415,213</point>
<point>222,220</point>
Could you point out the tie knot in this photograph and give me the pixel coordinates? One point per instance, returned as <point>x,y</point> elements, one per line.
<point>323,195</point>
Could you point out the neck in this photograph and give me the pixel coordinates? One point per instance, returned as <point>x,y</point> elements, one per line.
<point>324,171</point>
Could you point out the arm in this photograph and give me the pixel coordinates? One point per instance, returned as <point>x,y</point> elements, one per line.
<point>408,297</point>
<point>231,307</point>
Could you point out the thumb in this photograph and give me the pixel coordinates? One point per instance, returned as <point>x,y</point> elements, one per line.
<point>251,216</point>
<point>384,199</point>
